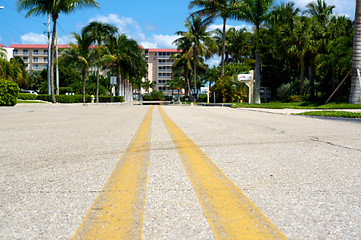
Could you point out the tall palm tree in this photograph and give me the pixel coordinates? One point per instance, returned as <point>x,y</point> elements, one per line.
<point>54,8</point>
<point>201,41</point>
<point>320,14</point>
<point>81,55</point>
<point>182,65</point>
<point>355,94</point>
<point>101,32</point>
<point>256,12</point>
<point>216,8</point>
<point>126,56</point>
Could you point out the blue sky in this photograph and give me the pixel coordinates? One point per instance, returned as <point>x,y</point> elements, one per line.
<point>152,23</point>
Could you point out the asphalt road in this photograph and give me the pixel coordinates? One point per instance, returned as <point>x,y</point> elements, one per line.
<point>303,173</point>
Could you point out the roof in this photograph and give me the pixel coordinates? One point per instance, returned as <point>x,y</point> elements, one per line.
<point>35,46</point>
<point>2,45</point>
<point>163,50</point>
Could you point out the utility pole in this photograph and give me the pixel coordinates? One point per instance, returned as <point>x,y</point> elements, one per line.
<point>49,57</point>
<point>57,65</point>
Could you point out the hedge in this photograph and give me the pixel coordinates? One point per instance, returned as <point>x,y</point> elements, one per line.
<point>8,93</point>
<point>78,98</point>
<point>26,96</point>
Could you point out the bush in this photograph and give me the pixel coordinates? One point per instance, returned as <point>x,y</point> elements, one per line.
<point>297,98</point>
<point>154,96</point>
<point>63,90</point>
<point>27,96</point>
<point>78,98</point>
<point>8,93</point>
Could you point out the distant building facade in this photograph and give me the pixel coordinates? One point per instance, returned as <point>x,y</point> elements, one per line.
<point>159,62</point>
<point>35,56</point>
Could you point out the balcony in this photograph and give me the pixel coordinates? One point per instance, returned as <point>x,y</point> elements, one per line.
<point>21,53</point>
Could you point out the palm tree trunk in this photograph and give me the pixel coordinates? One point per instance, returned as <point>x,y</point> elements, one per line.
<point>188,84</point>
<point>257,83</point>
<point>312,79</point>
<point>195,73</point>
<point>84,81</point>
<point>223,45</point>
<point>302,78</point>
<point>53,99</point>
<point>97,92</point>
<point>355,94</point>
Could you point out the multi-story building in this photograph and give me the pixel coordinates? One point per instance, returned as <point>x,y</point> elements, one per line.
<point>159,67</point>
<point>35,56</point>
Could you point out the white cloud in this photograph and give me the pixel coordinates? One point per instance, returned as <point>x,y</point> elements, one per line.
<point>160,41</point>
<point>126,25</point>
<point>34,38</point>
<point>66,39</point>
<point>342,7</point>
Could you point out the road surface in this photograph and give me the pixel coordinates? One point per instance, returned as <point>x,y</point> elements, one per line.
<point>176,172</point>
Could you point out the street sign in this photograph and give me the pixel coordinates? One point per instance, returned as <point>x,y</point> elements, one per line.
<point>244,77</point>
<point>204,89</point>
<point>113,80</point>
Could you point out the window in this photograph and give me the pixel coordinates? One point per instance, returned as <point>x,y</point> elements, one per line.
<point>35,66</point>
<point>35,52</point>
<point>25,51</point>
<point>35,59</point>
<point>25,59</point>
<point>46,59</point>
<point>15,52</point>
<point>45,52</point>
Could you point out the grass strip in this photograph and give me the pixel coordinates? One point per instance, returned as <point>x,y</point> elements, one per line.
<point>341,114</point>
<point>298,105</point>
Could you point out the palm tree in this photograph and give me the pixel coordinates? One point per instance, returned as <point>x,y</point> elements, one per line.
<point>81,55</point>
<point>182,65</point>
<point>355,94</point>
<point>213,9</point>
<point>3,53</point>
<point>200,39</point>
<point>101,32</point>
<point>54,8</point>
<point>126,56</point>
<point>320,14</point>
<point>256,12</point>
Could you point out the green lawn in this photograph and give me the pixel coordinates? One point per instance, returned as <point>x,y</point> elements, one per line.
<point>298,105</point>
<point>342,114</point>
<point>28,101</point>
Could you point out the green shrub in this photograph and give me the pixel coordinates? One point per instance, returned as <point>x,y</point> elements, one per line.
<point>154,96</point>
<point>63,90</point>
<point>8,93</point>
<point>297,98</point>
<point>27,96</point>
<point>78,98</point>
<point>44,97</point>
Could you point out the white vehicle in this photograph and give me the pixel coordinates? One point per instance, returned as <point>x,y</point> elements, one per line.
<point>29,91</point>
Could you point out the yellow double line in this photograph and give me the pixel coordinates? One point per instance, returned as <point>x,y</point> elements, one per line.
<point>118,211</point>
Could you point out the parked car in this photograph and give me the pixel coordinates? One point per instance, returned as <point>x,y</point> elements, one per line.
<point>29,91</point>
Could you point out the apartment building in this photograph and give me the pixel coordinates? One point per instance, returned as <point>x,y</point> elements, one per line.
<point>159,67</point>
<point>35,56</point>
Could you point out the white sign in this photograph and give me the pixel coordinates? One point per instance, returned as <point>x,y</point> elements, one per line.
<point>113,80</point>
<point>204,89</point>
<point>244,77</point>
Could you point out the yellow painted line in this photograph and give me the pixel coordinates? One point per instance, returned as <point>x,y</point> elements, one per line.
<point>230,213</point>
<point>117,213</point>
